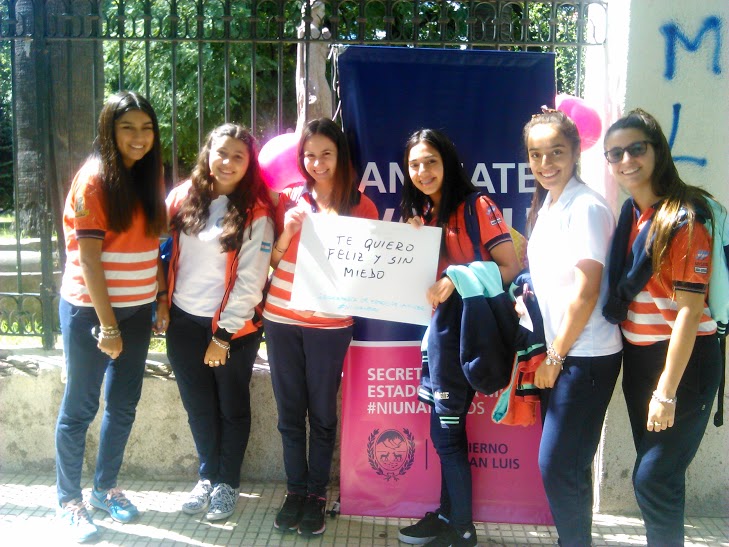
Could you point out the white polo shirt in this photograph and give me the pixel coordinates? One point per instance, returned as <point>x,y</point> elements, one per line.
<point>578,226</point>
<point>200,277</point>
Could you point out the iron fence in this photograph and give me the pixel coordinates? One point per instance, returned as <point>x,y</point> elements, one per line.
<point>203,62</point>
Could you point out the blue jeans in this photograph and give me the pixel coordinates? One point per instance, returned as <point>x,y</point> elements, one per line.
<point>86,367</point>
<point>659,475</point>
<point>456,490</point>
<point>217,399</point>
<point>306,370</point>
<point>575,410</point>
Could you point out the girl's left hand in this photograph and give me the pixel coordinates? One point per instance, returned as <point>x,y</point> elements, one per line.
<point>546,375</point>
<point>215,356</point>
<point>162,318</point>
<point>440,291</point>
<point>660,415</point>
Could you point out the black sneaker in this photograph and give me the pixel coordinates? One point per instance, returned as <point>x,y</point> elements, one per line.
<point>312,521</point>
<point>289,516</point>
<point>423,531</point>
<point>450,537</point>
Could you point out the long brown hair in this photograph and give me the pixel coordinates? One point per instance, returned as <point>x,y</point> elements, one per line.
<point>678,198</point>
<point>195,209</point>
<point>568,129</point>
<point>143,184</point>
<point>344,192</point>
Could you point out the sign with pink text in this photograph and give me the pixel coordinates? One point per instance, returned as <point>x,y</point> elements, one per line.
<point>389,466</point>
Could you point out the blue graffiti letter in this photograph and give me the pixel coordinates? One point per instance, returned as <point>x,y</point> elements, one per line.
<point>673,35</point>
<point>701,162</point>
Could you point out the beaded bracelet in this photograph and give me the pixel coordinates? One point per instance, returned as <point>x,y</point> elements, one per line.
<point>664,400</point>
<point>554,358</point>
<point>106,333</point>
<point>161,293</point>
<point>222,345</point>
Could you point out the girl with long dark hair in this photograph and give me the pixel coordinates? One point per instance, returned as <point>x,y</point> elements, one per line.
<point>222,229</point>
<point>113,217</point>
<point>435,190</point>
<point>306,349</point>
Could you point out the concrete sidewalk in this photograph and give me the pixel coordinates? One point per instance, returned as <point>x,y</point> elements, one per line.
<point>27,509</point>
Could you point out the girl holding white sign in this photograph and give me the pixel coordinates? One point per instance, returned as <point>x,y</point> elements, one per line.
<point>306,349</point>
<point>435,192</point>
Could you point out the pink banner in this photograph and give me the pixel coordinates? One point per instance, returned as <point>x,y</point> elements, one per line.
<point>389,466</point>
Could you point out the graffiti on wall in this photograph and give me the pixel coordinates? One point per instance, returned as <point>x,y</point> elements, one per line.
<point>709,35</point>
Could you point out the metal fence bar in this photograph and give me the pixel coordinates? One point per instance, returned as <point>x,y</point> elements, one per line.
<point>187,34</point>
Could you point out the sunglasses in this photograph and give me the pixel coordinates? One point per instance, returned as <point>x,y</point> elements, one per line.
<point>636,149</point>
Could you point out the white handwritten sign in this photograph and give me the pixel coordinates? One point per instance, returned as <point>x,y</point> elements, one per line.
<point>368,268</point>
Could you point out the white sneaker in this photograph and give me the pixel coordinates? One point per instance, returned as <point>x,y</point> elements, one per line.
<point>76,522</point>
<point>198,499</point>
<point>222,502</point>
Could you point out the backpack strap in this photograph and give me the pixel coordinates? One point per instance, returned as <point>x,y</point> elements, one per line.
<point>719,416</point>
<point>472,226</point>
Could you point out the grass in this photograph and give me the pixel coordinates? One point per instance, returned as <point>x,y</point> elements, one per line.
<point>7,226</point>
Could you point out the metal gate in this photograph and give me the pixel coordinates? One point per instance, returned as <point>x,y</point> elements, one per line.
<point>201,62</point>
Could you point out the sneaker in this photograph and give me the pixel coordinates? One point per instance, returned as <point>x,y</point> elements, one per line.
<point>450,537</point>
<point>77,521</point>
<point>425,530</point>
<point>198,499</point>
<point>114,502</point>
<point>289,516</point>
<point>222,502</point>
<point>312,519</point>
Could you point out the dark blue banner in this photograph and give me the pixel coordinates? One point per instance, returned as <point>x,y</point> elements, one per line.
<point>480,99</point>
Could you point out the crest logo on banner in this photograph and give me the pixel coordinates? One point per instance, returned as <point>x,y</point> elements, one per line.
<point>391,453</point>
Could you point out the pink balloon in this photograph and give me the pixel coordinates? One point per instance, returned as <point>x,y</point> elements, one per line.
<point>279,162</point>
<point>585,117</point>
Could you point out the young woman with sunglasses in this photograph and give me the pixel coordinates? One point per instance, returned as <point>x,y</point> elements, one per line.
<point>660,266</point>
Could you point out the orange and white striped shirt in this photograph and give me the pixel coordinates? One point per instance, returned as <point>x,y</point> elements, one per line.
<point>687,267</point>
<point>129,258</point>
<point>282,281</point>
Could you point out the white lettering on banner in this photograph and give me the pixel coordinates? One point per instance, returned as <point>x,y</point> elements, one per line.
<point>397,407</point>
<point>389,391</point>
<point>504,167</point>
<point>482,178</point>
<point>372,177</point>
<point>523,178</point>
<point>393,374</point>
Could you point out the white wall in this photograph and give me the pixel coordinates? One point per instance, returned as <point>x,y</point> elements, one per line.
<point>647,63</point>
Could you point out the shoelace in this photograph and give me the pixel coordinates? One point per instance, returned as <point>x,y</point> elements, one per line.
<point>79,513</point>
<point>200,491</point>
<point>226,497</point>
<point>117,495</point>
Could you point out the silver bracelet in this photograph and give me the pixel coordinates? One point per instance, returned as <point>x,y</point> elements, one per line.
<point>222,345</point>
<point>554,358</point>
<point>665,401</point>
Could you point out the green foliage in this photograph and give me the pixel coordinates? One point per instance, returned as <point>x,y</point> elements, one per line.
<point>205,60</point>
<point>565,32</point>
<point>6,129</point>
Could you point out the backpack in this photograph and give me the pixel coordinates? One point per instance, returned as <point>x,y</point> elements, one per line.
<point>719,295</point>
<point>474,231</point>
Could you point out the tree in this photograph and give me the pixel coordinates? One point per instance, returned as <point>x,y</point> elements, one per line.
<point>6,131</point>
